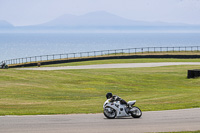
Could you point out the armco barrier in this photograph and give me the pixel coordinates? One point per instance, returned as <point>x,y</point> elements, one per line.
<point>104,54</point>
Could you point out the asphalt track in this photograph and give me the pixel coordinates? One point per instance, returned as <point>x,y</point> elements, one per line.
<point>152,121</point>
<point>120,65</point>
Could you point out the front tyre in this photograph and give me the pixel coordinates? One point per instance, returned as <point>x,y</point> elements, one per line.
<point>110,113</point>
<point>136,112</point>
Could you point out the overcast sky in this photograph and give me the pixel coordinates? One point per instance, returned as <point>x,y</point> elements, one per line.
<point>29,12</point>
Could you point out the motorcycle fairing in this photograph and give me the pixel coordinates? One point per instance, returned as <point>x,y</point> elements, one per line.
<point>131,103</point>
<point>120,109</point>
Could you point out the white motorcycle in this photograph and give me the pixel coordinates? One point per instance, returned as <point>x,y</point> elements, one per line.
<point>115,109</point>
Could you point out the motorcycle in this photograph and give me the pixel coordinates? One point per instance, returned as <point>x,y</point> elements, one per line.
<point>115,109</point>
<point>3,66</point>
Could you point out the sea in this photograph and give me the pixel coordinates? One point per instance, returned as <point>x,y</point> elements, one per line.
<point>20,45</point>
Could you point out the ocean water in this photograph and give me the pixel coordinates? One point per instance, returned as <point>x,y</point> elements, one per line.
<point>19,45</point>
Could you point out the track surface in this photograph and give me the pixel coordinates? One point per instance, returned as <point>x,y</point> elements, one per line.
<point>121,65</point>
<point>151,121</point>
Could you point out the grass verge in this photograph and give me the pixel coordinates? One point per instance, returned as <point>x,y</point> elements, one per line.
<point>25,92</point>
<point>184,132</point>
<point>113,61</point>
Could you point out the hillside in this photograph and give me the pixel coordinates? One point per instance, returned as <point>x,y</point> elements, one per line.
<point>100,19</point>
<point>5,24</point>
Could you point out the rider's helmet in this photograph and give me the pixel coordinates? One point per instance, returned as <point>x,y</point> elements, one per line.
<point>108,95</point>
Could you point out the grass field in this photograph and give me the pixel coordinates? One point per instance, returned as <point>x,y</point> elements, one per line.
<point>25,92</point>
<point>184,132</point>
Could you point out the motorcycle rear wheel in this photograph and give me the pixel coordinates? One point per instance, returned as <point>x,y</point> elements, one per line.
<point>137,113</point>
<point>110,115</point>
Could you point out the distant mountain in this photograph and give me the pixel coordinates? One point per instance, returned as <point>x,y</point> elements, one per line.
<point>98,19</point>
<point>5,24</point>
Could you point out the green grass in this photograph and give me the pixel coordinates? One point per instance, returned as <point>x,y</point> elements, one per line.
<point>112,61</point>
<point>184,132</point>
<point>26,92</point>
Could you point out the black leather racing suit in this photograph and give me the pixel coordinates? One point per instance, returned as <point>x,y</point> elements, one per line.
<point>117,98</point>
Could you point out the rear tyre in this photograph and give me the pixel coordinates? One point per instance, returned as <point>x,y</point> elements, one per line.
<point>136,113</point>
<point>109,113</point>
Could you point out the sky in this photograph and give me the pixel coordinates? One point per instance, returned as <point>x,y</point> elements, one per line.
<point>31,12</point>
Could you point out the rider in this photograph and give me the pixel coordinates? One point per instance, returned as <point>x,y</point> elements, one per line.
<point>113,98</point>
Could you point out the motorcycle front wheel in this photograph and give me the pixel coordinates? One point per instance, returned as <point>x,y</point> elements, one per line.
<point>137,113</point>
<point>110,114</point>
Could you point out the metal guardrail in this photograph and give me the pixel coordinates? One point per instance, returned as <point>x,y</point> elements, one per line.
<point>129,51</point>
